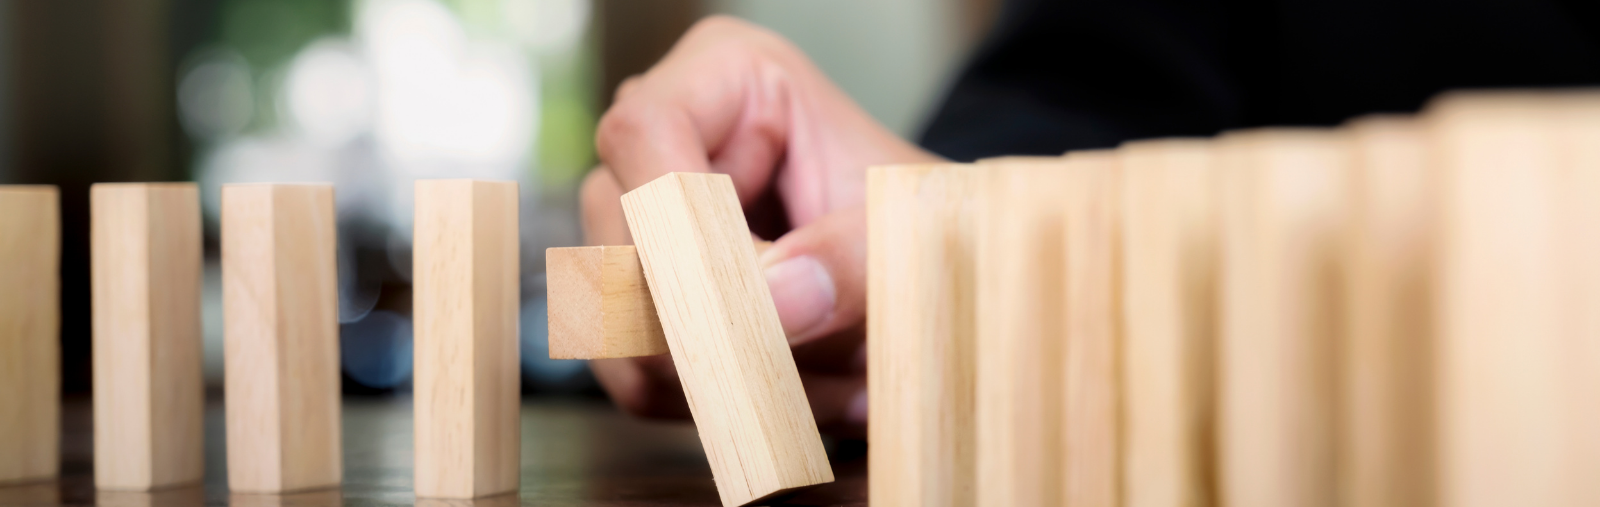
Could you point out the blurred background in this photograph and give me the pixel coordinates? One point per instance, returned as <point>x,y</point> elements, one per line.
<point>373,94</point>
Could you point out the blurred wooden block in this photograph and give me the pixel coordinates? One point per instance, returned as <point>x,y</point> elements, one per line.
<point>281,324</point>
<point>326,497</point>
<point>195,495</point>
<point>1386,373</point>
<point>1021,324</point>
<point>1283,215</point>
<point>600,304</point>
<point>1092,420</point>
<point>1169,303</point>
<point>922,242</point>
<point>468,376</point>
<point>30,333</point>
<point>145,251</point>
<point>729,349</point>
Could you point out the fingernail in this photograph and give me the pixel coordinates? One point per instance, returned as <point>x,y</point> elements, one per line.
<point>858,408</point>
<point>803,292</point>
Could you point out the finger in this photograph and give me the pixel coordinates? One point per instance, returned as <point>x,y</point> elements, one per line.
<point>817,275</point>
<point>601,201</point>
<point>643,386</point>
<point>623,88</point>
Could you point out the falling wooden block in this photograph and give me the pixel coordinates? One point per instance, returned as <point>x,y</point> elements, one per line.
<point>922,243</point>
<point>145,251</point>
<point>30,333</point>
<point>468,372</point>
<point>1386,361</point>
<point>1021,299</point>
<point>1091,417</point>
<point>282,337</point>
<point>1283,213</point>
<point>1169,277</point>
<point>722,328</point>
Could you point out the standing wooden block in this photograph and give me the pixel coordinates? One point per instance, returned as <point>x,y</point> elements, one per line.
<point>743,388</point>
<point>600,304</point>
<point>282,337</point>
<point>468,380</point>
<point>1022,297</point>
<point>922,244</point>
<point>30,333</point>
<point>1091,417</point>
<point>1283,200</point>
<point>1169,303</point>
<point>145,252</point>
<point>1386,366</point>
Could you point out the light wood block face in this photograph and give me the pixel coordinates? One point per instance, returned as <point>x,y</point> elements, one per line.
<point>722,328</point>
<point>1283,200</point>
<point>30,333</point>
<point>282,330</point>
<point>600,304</point>
<point>922,244</point>
<point>1169,284</point>
<point>468,371</point>
<point>145,253</point>
<point>1092,420</point>
<point>1022,299</point>
<point>1386,375</point>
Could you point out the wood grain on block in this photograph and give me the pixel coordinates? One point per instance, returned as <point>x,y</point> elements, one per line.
<point>145,249</point>
<point>1091,417</point>
<point>30,333</point>
<point>922,277</point>
<point>1169,302</point>
<point>468,376</point>
<point>1517,284</point>
<point>1386,370</point>
<point>729,348</point>
<point>1283,200</point>
<point>1022,297</point>
<point>282,337</point>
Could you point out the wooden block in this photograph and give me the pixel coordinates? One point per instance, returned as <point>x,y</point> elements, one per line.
<point>731,355</point>
<point>1386,367</point>
<point>30,333</point>
<point>600,305</point>
<point>1021,300</point>
<point>282,337</point>
<point>1283,200</point>
<point>922,243</point>
<point>159,498</point>
<point>468,371</point>
<point>1091,416</point>
<point>304,498</point>
<point>1517,347</point>
<point>1169,302</point>
<point>145,251</point>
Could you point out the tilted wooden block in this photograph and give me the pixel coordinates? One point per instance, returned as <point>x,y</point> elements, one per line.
<point>145,250</point>
<point>1091,446</point>
<point>722,328</point>
<point>281,307</point>
<point>465,264</point>
<point>30,332</point>
<point>922,244</point>
<point>1169,277</point>
<point>1283,216</point>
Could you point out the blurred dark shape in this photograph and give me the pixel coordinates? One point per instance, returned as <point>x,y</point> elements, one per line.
<point>635,34</point>
<point>376,350</point>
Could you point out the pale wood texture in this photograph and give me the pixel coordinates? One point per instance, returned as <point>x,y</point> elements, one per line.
<point>1091,417</point>
<point>281,324</point>
<point>1283,200</point>
<point>729,348</point>
<point>145,243</point>
<point>467,371</point>
<point>1516,292</point>
<point>1386,367</point>
<point>922,246</point>
<point>600,305</point>
<point>1169,303</point>
<point>1022,296</point>
<point>30,336</point>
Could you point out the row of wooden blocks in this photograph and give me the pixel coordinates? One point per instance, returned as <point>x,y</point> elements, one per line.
<point>281,345</point>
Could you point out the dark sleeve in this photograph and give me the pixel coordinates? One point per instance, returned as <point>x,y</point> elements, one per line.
<point>1076,74</point>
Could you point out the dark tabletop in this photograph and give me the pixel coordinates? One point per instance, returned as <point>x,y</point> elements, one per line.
<point>574,453</point>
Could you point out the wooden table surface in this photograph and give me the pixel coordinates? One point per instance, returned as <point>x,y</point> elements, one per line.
<point>574,453</point>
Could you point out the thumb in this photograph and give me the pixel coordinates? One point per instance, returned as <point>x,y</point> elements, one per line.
<point>817,274</point>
